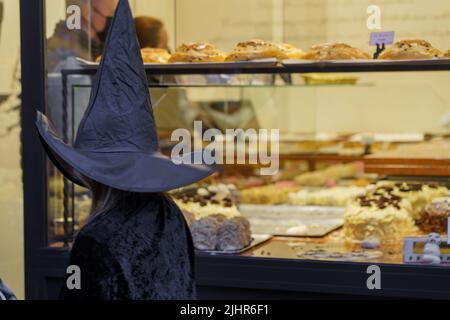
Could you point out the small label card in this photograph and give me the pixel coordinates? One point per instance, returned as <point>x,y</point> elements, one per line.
<point>380,38</point>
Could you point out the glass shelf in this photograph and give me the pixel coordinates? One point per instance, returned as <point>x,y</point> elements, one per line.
<point>300,67</point>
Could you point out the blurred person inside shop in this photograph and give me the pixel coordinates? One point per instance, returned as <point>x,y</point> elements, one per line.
<point>86,43</point>
<point>172,109</point>
<point>151,33</point>
<point>172,106</point>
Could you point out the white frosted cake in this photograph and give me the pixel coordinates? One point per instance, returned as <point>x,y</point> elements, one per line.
<point>337,196</point>
<point>208,200</point>
<point>384,217</point>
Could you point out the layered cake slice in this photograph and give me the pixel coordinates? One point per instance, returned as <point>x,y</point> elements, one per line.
<point>234,234</point>
<point>217,232</point>
<point>383,216</point>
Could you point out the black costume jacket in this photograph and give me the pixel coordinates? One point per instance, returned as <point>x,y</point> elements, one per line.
<point>140,249</point>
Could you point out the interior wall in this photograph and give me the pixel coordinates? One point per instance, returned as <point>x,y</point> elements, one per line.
<point>11,213</point>
<point>311,22</point>
<point>223,23</point>
<point>55,12</point>
<point>9,45</point>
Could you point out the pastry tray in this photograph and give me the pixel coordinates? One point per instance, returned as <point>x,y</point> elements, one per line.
<point>291,220</point>
<point>257,239</point>
<point>369,64</point>
<point>261,63</point>
<point>271,65</point>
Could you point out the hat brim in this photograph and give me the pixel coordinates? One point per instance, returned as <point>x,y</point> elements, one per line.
<point>128,171</point>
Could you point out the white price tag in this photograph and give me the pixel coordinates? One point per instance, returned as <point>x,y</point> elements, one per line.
<point>380,38</point>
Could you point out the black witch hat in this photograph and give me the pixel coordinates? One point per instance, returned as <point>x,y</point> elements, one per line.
<point>117,142</point>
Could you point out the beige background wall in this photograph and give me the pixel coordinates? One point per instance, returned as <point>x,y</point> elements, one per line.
<point>9,44</point>
<point>310,22</point>
<point>11,212</point>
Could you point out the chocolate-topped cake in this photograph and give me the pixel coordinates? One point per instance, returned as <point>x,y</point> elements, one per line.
<point>390,210</point>
<point>207,200</point>
<point>418,194</point>
<point>381,201</point>
<point>380,215</point>
<point>434,217</point>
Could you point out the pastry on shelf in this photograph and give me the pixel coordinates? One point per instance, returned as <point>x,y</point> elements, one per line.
<point>435,149</point>
<point>309,136</point>
<point>336,196</point>
<point>374,216</point>
<point>269,194</point>
<point>447,54</point>
<point>197,52</point>
<point>260,49</point>
<point>291,51</point>
<point>335,172</point>
<point>302,147</point>
<point>217,232</point>
<point>351,148</point>
<point>208,200</point>
<point>328,79</point>
<point>243,182</point>
<point>150,55</point>
<point>434,217</point>
<point>403,137</point>
<point>361,182</point>
<point>335,51</point>
<point>155,55</point>
<point>411,50</point>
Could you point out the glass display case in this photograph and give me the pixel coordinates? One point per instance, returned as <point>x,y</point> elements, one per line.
<point>325,158</point>
<point>361,146</point>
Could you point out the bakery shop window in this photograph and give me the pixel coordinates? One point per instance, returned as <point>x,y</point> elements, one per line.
<point>363,157</point>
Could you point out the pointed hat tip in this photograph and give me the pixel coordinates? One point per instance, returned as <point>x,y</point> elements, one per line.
<point>120,89</point>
